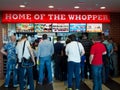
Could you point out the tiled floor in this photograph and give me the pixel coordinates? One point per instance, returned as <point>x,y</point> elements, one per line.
<point>114,84</point>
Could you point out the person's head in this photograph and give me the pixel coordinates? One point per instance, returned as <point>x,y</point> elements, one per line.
<point>58,38</point>
<point>84,36</point>
<point>67,41</point>
<point>36,42</point>
<point>44,36</point>
<point>23,37</point>
<point>72,37</point>
<point>13,38</point>
<point>110,39</point>
<point>96,39</point>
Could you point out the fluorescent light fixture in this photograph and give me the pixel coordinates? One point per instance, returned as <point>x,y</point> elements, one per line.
<point>76,7</point>
<point>50,6</point>
<point>102,7</point>
<point>22,6</point>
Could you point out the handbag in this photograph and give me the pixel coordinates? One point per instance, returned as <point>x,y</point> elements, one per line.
<point>26,62</point>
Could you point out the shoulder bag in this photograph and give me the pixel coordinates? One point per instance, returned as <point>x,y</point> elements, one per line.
<point>26,62</point>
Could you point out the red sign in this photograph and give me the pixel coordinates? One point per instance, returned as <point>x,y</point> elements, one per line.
<point>54,17</point>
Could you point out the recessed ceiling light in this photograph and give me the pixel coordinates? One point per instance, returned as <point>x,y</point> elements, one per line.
<point>102,7</point>
<point>76,7</point>
<point>50,6</point>
<point>22,6</point>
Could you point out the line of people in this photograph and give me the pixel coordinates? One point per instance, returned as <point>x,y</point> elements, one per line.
<point>23,76</point>
<point>70,61</point>
<point>93,66</point>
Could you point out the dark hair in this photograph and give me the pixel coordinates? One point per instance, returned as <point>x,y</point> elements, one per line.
<point>96,38</point>
<point>36,40</point>
<point>58,38</point>
<point>72,37</point>
<point>67,41</point>
<point>44,36</point>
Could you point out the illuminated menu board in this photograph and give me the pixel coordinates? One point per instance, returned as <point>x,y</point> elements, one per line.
<point>25,27</point>
<point>77,27</point>
<point>60,27</point>
<point>43,27</point>
<point>97,27</point>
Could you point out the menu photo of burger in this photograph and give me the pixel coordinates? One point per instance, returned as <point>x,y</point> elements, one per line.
<point>96,27</point>
<point>43,27</point>
<point>25,27</point>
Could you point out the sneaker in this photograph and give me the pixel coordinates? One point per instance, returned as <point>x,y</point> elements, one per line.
<point>6,86</point>
<point>15,85</point>
<point>69,88</point>
<point>39,83</point>
<point>50,83</point>
<point>28,87</point>
<point>24,86</point>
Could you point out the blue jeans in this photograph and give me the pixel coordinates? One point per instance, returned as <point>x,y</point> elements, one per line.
<point>97,77</point>
<point>10,67</point>
<point>57,67</point>
<point>29,74</point>
<point>45,61</point>
<point>82,72</point>
<point>73,68</point>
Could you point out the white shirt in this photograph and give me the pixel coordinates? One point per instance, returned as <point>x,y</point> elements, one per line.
<point>72,51</point>
<point>19,50</point>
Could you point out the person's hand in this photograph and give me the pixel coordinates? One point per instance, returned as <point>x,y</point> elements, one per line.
<point>37,62</point>
<point>38,65</point>
<point>16,66</point>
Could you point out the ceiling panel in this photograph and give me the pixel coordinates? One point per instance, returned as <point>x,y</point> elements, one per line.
<point>61,5</point>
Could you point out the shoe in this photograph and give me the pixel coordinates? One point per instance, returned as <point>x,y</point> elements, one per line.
<point>69,88</point>
<point>76,89</point>
<point>6,86</point>
<point>39,83</point>
<point>15,85</point>
<point>28,87</point>
<point>24,86</point>
<point>50,83</point>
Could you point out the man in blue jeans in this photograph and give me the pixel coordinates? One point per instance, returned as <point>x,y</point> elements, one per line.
<point>97,51</point>
<point>10,51</point>
<point>45,51</point>
<point>23,49</point>
<point>74,50</point>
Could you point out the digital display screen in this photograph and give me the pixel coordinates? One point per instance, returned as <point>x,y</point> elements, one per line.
<point>77,27</point>
<point>25,27</point>
<point>94,27</point>
<point>43,27</point>
<point>60,27</point>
